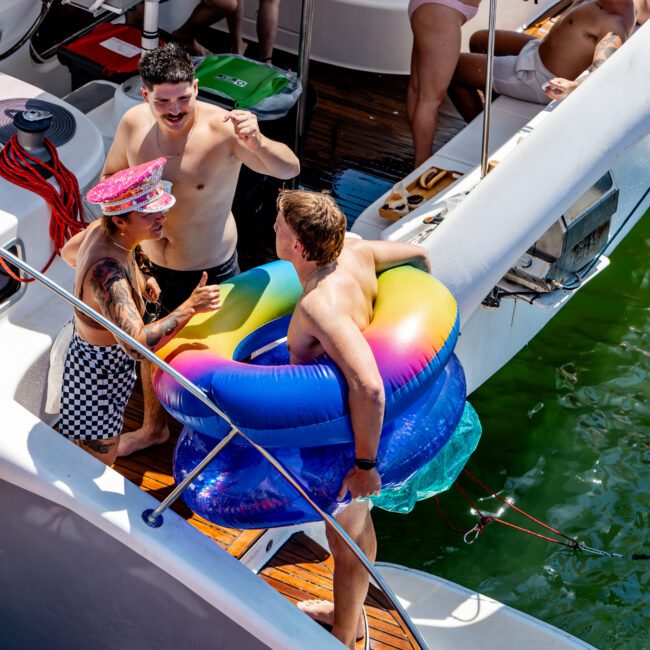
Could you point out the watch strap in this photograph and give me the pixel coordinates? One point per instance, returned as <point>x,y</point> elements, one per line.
<point>365,463</point>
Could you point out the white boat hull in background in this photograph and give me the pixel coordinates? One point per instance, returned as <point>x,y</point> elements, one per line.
<point>370,35</point>
<point>449,616</point>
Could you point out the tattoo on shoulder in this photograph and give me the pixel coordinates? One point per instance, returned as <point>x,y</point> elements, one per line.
<point>105,272</point>
<point>112,290</point>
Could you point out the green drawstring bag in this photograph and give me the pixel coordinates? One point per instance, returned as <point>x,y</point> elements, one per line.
<point>241,80</point>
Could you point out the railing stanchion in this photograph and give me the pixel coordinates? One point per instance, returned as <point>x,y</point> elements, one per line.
<point>488,89</point>
<point>153,517</point>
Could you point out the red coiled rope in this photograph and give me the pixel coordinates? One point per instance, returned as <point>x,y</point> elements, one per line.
<point>66,220</point>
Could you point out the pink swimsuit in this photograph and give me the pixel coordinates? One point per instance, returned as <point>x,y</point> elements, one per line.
<point>468,11</point>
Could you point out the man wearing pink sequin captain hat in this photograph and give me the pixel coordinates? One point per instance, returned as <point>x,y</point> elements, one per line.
<point>111,276</point>
<point>139,189</point>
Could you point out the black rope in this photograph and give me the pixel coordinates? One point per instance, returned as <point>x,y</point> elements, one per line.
<point>580,275</point>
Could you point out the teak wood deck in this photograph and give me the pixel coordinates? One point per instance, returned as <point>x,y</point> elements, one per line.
<point>300,570</point>
<point>358,130</point>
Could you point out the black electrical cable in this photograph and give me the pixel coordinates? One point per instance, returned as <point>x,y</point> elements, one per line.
<point>45,7</point>
<point>580,275</point>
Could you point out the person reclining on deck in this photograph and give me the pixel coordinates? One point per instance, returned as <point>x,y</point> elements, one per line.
<point>339,280</point>
<point>541,71</point>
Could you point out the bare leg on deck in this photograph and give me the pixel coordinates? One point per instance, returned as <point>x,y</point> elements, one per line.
<point>154,429</point>
<point>350,576</point>
<point>206,13</point>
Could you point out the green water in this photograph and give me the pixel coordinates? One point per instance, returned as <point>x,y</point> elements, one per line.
<point>566,434</point>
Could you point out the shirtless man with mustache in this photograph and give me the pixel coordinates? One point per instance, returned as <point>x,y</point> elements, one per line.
<point>205,147</point>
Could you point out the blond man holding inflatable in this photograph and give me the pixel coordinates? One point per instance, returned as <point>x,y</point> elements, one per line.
<point>339,279</point>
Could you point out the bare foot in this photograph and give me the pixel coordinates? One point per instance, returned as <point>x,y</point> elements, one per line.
<point>141,439</point>
<point>198,49</point>
<point>239,48</point>
<point>322,611</point>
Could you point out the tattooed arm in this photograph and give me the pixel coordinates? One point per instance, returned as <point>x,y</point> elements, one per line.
<point>112,290</point>
<point>605,48</point>
<point>559,88</point>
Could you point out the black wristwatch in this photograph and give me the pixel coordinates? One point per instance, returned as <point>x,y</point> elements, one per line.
<point>365,463</point>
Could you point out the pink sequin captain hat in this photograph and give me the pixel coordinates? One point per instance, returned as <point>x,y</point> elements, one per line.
<point>138,188</point>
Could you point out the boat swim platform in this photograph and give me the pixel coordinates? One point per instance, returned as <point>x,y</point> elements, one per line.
<point>301,569</point>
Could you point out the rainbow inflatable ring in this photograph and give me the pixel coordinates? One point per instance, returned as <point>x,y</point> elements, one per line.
<point>300,412</point>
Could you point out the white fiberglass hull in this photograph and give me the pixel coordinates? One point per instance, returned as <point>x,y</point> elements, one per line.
<point>449,616</point>
<point>547,159</point>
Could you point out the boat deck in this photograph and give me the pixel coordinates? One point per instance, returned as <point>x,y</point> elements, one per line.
<point>359,142</point>
<point>358,146</point>
<point>300,570</point>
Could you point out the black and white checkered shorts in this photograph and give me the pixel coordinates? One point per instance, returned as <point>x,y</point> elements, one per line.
<point>97,383</point>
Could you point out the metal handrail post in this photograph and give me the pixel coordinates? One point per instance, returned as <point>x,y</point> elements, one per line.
<point>152,517</point>
<point>150,25</point>
<point>488,89</point>
<point>304,52</point>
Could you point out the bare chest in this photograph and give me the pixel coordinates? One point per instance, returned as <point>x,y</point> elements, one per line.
<point>193,165</point>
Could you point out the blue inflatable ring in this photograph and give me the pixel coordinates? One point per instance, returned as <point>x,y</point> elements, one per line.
<point>300,411</point>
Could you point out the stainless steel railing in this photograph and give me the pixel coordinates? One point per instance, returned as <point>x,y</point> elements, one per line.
<point>488,89</point>
<point>153,518</point>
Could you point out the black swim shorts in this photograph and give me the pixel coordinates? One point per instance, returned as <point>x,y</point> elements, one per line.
<point>177,286</point>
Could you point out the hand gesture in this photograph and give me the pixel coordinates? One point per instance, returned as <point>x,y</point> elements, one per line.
<point>559,88</point>
<point>246,128</point>
<point>206,297</point>
<point>151,289</point>
<point>360,483</point>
